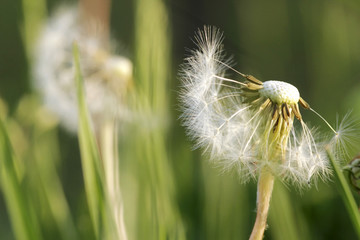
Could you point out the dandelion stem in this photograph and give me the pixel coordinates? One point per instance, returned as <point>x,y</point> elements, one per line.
<point>265,188</point>
<point>110,159</point>
<point>280,137</point>
<point>97,11</point>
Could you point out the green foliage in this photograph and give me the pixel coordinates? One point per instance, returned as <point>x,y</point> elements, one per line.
<point>346,195</point>
<point>169,191</point>
<point>24,220</point>
<point>90,157</point>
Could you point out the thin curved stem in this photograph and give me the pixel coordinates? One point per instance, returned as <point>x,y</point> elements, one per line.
<point>265,188</point>
<point>280,137</point>
<point>110,160</point>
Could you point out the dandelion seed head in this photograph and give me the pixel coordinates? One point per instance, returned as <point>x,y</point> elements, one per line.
<point>280,92</point>
<point>247,125</point>
<point>106,75</point>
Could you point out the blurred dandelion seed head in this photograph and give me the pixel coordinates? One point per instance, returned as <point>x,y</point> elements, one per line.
<point>248,125</point>
<point>106,76</point>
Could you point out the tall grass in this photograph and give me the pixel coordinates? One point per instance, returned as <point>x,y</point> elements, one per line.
<point>346,195</point>
<point>24,220</point>
<point>90,157</point>
<point>42,163</point>
<point>158,216</point>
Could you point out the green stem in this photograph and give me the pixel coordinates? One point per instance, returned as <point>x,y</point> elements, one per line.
<point>265,188</point>
<point>110,160</point>
<point>346,194</point>
<point>24,221</point>
<point>90,157</point>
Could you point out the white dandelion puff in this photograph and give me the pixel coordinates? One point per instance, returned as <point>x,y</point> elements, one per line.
<point>106,76</point>
<point>347,140</point>
<point>249,125</point>
<point>242,124</point>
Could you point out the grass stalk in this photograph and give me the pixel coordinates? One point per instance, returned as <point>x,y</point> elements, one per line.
<point>110,158</point>
<point>157,203</point>
<point>346,195</point>
<point>90,157</point>
<point>285,217</point>
<point>45,150</point>
<point>24,222</point>
<point>223,199</point>
<point>34,13</point>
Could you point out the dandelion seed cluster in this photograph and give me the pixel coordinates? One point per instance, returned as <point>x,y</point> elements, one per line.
<point>247,125</point>
<point>106,76</point>
<point>280,92</point>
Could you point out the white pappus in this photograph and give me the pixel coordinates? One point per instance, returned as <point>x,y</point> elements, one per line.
<point>248,125</point>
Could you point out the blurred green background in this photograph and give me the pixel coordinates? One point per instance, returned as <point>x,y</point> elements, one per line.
<point>314,45</point>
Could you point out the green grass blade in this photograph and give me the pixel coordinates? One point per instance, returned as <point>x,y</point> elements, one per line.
<point>285,219</point>
<point>45,147</point>
<point>23,222</point>
<point>34,12</point>
<point>158,216</point>
<point>89,155</point>
<point>346,194</point>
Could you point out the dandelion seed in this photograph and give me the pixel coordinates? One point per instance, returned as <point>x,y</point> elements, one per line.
<point>249,125</point>
<point>347,140</point>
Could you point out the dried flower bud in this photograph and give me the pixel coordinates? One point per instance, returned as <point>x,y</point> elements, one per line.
<point>353,169</point>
